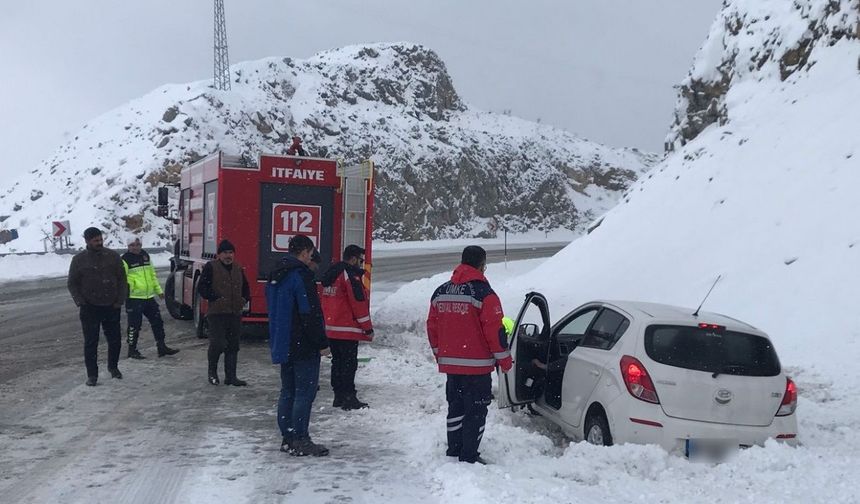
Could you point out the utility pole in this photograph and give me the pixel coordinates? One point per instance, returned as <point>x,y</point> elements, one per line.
<point>222,61</point>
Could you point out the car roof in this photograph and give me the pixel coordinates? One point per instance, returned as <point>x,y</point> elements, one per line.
<point>671,313</point>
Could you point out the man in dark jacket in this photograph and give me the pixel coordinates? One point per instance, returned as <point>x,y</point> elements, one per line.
<point>297,340</point>
<point>143,286</point>
<point>464,328</point>
<point>346,306</point>
<point>98,286</point>
<point>224,285</point>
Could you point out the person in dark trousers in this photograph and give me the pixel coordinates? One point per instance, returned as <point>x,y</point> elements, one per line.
<point>346,306</point>
<point>297,341</point>
<point>98,286</point>
<point>143,286</point>
<point>224,285</point>
<point>465,331</point>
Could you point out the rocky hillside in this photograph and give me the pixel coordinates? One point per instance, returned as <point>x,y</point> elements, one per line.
<point>755,41</point>
<point>444,169</point>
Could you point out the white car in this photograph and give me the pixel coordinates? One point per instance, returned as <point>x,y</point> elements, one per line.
<point>615,372</point>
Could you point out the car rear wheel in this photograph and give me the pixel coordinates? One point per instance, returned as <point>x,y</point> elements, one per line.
<point>597,429</point>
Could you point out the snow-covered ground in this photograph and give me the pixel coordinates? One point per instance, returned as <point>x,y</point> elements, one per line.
<point>535,463</point>
<point>163,434</point>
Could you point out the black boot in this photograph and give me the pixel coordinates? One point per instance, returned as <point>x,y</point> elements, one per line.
<point>338,401</point>
<point>351,402</point>
<point>305,447</point>
<point>163,349</point>
<point>132,344</point>
<point>213,372</point>
<point>230,361</point>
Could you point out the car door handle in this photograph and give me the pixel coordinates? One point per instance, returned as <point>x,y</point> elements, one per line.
<point>594,372</point>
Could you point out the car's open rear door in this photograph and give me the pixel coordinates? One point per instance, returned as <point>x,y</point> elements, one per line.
<point>529,341</point>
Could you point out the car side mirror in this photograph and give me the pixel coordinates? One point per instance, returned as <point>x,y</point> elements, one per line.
<point>528,330</point>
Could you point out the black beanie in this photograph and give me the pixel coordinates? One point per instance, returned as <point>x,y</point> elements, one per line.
<point>474,256</point>
<point>225,245</point>
<point>92,232</point>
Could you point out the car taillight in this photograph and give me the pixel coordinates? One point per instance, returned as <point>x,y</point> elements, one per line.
<point>638,382</point>
<point>789,400</point>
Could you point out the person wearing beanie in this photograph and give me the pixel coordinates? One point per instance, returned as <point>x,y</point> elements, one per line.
<point>143,286</point>
<point>98,286</point>
<point>468,340</point>
<point>224,285</point>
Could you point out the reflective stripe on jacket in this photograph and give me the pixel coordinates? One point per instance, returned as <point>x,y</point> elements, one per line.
<point>346,304</point>
<point>464,325</point>
<point>142,281</point>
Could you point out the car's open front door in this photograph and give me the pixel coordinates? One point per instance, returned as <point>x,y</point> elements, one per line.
<point>529,341</point>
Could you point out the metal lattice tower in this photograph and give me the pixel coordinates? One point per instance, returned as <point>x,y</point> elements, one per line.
<point>222,61</point>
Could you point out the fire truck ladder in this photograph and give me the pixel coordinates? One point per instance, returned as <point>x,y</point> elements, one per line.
<point>357,180</point>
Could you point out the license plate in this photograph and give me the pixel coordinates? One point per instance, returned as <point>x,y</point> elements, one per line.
<point>710,450</point>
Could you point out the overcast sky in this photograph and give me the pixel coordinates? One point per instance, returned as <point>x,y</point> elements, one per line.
<point>604,69</point>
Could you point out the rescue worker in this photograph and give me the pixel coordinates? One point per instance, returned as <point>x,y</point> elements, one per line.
<point>143,286</point>
<point>98,286</point>
<point>465,331</point>
<point>346,306</point>
<point>297,340</point>
<point>224,285</point>
<point>296,148</point>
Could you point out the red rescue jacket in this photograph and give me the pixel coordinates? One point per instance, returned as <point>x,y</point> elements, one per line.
<point>464,325</point>
<point>346,303</point>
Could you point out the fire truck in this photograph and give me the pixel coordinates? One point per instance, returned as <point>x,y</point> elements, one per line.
<point>259,205</point>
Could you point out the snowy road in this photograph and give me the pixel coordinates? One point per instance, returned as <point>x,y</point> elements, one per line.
<point>162,434</point>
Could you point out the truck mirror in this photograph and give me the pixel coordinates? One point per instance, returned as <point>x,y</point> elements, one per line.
<point>162,196</point>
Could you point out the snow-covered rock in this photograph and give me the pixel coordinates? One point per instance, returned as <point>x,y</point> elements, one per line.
<point>444,169</point>
<point>766,42</point>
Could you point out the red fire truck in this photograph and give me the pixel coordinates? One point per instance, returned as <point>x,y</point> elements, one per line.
<point>258,205</point>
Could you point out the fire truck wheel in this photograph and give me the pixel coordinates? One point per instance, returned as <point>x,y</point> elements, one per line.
<point>176,309</point>
<point>199,320</point>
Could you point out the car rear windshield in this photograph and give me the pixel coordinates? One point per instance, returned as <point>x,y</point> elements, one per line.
<point>715,351</point>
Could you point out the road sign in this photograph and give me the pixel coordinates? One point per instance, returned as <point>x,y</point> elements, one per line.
<point>61,228</point>
<point>289,220</point>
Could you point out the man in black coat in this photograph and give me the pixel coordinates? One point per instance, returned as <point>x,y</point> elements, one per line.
<point>98,285</point>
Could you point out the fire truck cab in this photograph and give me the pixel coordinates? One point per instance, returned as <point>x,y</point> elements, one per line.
<point>259,205</point>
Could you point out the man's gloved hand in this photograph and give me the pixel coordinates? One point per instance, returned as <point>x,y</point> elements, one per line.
<point>368,332</point>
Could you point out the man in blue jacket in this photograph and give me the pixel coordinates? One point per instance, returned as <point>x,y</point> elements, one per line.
<point>297,341</point>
